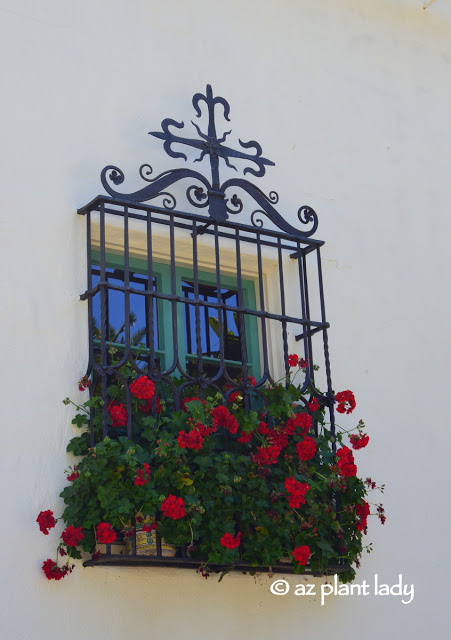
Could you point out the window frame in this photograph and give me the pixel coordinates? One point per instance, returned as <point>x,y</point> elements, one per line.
<point>162,273</point>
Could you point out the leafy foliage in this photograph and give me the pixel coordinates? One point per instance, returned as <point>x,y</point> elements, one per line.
<point>231,480</point>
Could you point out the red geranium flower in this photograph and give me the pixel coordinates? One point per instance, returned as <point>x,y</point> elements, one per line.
<point>345,462</point>
<point>301,554</point>
<point>346,402</point>
<point>223,418</point>
<point>297,491</point>
<point>142,475</point>
<point>118,414</point>
<point>53,572</point>
<point>173,507</point>
<point>191,440</point>
<point>306,448</point>
<point>313,405</point>
<point>245,437</point>
<point>74,475</point>
<point>362,512</point>
<point>303,421</point>
<point>293,360</point>
<point>105,533</point>
<point>229,541</point>
<point>46,521</point>
<point>142,388</point>
<point>150,527</point>
<point>72,536</point>
<point>359,441</point>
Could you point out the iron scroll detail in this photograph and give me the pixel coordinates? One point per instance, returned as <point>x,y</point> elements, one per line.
<point>211,193</point>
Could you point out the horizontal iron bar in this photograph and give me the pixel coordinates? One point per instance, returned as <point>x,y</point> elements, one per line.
<point>192,563</point>
<point>320,327</point>
<point>303,252</point>
<point>94,205</point>
<point>205,230</point>
<point>201,303</point>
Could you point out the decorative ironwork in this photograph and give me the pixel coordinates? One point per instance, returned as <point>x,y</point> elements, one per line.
<point>159,315</point>
<point>210,193</point>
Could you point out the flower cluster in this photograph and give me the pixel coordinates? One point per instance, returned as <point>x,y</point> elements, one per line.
<point>173,507</point>
<point>297,491</point>
<point>105,533</point>
<point>346,463</point>
<point>301,423</point>
<point>142,388</point>
<point>118,414</point>
<point>313,405</point>
<point>53,572</point>
<point>359,441</point>
<point>46,521</point>
<point>142,475</point>
<point>223,418</point>
<point>72,536</point>
<point>296,361</point>
<point>362,511</point>
<point>306,449</point>
<point>346,402</point>
<point>301,554</point>
<point>194,438</point>
<point>229,541</point>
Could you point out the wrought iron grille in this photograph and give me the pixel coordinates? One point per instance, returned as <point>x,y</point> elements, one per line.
<point>202,301</point>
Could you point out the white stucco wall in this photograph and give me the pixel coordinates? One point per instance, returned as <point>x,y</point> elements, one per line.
<point>351,99</point>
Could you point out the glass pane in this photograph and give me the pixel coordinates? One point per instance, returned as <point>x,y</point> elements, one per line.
<point>115,309</point>
<point>209,323</point>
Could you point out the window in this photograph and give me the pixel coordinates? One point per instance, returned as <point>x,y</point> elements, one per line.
<point>207,319</point>
<point>203,300</point>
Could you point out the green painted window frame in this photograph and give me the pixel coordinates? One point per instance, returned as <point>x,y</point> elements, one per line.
<point>162,274</point>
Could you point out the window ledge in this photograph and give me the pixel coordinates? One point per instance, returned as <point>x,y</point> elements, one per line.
<point>194,563</point>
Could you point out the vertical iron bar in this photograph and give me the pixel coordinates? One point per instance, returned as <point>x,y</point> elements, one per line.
<point>265,375</point>
<point>200,366</point>
<point>92,438</point>
<point>149,300</point>
<point>127,316</point>
<point>220,309</point>
<point>207,327</point>
<point>103,322</point>
<point>189,346</point>
<point>175,343</point>
<point>326,349</point>
<point>307,317</point>
<point>330,391</point>
<point>282,307</point>
<point>241,320</point>
<point>225,326</point>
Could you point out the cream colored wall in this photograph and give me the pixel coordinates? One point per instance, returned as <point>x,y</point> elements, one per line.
<point>351,100</point>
